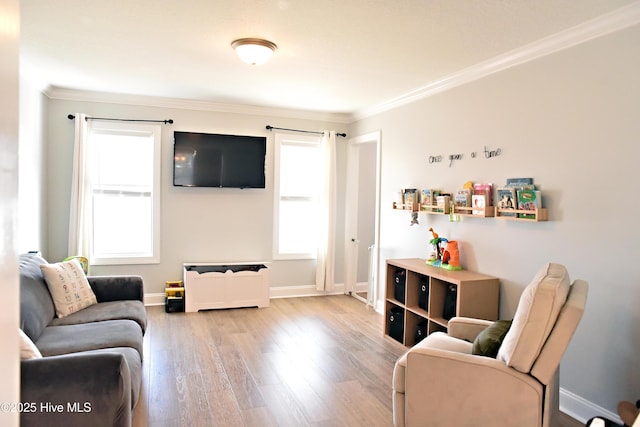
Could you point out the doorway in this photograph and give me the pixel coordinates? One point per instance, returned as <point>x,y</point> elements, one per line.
<point>361,221</point>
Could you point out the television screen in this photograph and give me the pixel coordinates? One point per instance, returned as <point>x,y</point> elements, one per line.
<point>215,160</point>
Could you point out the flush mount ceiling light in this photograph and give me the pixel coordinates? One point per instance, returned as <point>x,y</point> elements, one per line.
<point>254,51</point>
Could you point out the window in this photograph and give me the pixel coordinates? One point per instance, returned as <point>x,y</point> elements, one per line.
<point>298,180</point>
<point>124,174</point>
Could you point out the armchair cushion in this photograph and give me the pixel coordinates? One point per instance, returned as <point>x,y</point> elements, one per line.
<point>488,341</point>
<point>537,311</point>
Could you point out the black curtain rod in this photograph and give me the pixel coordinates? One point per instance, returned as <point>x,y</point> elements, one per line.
<point>170,121</point>
<point>269,127</point>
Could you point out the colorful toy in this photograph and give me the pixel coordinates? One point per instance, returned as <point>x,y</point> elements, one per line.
<point>451,256</point>
<point>435,258</point>
<point>84,262</point>
<point>448,258</point>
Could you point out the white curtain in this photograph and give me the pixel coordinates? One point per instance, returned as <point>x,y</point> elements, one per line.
<point>79,212</point>
<point>327,208</point>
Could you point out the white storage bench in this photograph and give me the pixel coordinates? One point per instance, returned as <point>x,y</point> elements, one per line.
<point>209,286</point>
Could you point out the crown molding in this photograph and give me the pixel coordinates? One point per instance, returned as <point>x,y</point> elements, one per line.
<point>188,104</point>
<point>611,22</point>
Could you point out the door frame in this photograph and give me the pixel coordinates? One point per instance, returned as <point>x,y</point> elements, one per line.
<point>351,218</point>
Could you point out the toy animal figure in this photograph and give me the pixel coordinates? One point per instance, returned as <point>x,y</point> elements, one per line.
<point>436,255</point>
<point>433,234</point>
<point>414,218</point>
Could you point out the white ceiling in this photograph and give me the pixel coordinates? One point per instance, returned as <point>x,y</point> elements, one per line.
<point>336,56</point>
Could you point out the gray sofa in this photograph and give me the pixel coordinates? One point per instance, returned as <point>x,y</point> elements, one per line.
<point>91,369</point>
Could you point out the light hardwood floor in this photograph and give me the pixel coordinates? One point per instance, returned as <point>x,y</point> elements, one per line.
<point>319,361</point>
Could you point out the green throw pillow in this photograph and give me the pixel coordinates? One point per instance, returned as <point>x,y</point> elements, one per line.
<point>488,341</point>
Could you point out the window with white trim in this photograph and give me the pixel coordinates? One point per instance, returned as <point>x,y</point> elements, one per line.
<point>298,180</point>
<point>124,167</point>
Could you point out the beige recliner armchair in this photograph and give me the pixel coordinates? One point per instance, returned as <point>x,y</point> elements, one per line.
<point>439,382</point>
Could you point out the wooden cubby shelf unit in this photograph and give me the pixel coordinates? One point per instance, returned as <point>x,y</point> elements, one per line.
<point>476,295</point>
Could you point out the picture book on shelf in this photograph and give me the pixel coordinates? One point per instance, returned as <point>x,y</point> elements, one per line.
<point>529,200</point>
<point>520,183</point>
<point>506,199</point>
<point>463,198</point>
<point>410,196</point>
<point>486,190</point>
<point>443,203</point>
<point>428,196</point>
<point>479,202</point>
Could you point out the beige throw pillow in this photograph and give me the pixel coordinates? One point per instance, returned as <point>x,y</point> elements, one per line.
<point>28,349</point>
<point>68,286</point>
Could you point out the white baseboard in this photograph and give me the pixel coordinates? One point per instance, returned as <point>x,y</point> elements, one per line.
<point>303,291</point>
<point>154,299</point>
<point>362,287</point>
<point>583,410</point>
<point>151,299</point>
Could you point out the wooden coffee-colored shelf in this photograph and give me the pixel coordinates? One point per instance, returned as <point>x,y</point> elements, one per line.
<point>405,206</point>
<point>538,215</point>
<point>486,212</point>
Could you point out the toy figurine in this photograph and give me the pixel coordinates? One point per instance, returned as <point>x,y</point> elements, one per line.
<point>448,258</point>
<point>435,258</point>
<point>414,218</point>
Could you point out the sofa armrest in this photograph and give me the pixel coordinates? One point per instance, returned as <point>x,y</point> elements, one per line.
<point>467,328</point>
<point>76,389</point>
<point>117,288</point>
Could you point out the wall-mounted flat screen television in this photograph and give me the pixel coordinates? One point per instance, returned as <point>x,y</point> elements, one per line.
<point>215,160</point>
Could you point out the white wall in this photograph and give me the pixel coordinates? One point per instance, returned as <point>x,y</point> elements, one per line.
<point>570,120</point>
<point>9,113</point>
<point>31,184</point>
<point>198,224</point>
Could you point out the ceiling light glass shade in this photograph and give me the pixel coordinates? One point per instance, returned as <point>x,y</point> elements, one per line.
<point>254,51</point>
